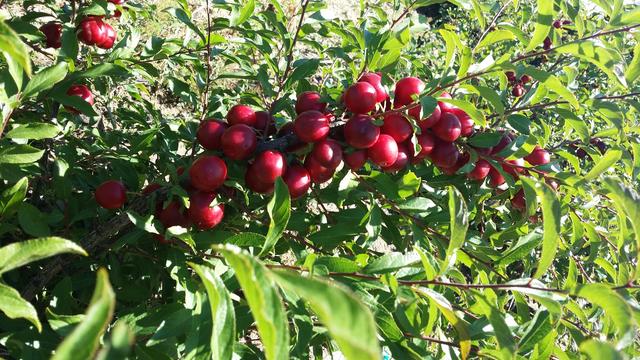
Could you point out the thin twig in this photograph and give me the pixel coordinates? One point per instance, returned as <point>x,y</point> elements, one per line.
<point>403,14</point>
<point>205,94</point>
<point>491,24</point>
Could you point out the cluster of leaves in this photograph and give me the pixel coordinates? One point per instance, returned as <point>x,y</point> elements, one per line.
<point>412,265</point>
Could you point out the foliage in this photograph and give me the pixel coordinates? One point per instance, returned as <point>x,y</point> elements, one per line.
<point>418,263</point>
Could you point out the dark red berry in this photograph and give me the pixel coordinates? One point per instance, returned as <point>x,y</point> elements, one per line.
<point>309,100</point>
<point>356,159</point>
<point>327,153</point>
<point>384,152</point>
<point>444,154</point>
<point>269,165</point>
<point>111,194</point>
<point>203,215</point>
<point>376,81</point>
<point>397,126</point>
<point>53,34</point>
<point>480,171</point>
<point>448,128</point>
<point>241,114</point>
<point>538,156</point>
<point>298,181</point>
<point>360,98</point>
<point>318,173</point>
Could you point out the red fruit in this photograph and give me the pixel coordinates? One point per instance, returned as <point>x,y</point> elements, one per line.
<point>150,188</point>
<point>552,183</point>
<point>265,123</point>
<point>109,37</point>
<point>288,129</point>
<point>111,194</point>
<point>525,79</point>
<point>360,132</point>
<point>311,126</point>
<point>208,173</point>
<point>298,181</point>
<point>309,100</point>
<point>238,142</point>
<point>53,34</point>
<point>503,143</point>
<point>317,172</point>
<point>405,90</point>
<point>376,81</point>
<point>83,92</point>
<point>466,123</point>
<point>538,156</point>
<point>426,142</point>
<point>269,165</point>
<point>117,2</point>
<point>480,171</point>
<point>518,201</point>
<point>557,24</point>
<point>402,159</point>
<point>252,180</point>
<point>462,161</point>
<point>241,114</point>
<point>327,153</point>
<point>200,211</point>
<point>173,215</point>
<point>448,128</point>
<point>517,168</point>
<point>360,98</point>
<point>547,43</point>
<point>511,76</point>
<point>444,154</point>
<point>430,121</point>
<point>495,178</point>
<point>356,159</point>
<point>91,30</point>
<point>210,133</point>
<point>180,170</point>
<point>445,106</point>
<point>384,152</point>
<point>517,90</point>
<point>397,127</point>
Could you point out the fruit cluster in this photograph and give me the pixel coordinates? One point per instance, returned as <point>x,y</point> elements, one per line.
<point>324,143</point>
<point>518,84</point>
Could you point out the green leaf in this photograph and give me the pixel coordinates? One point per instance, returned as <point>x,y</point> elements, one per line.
<point>22,253</point>
<point>13,196</point>
<point>445,307</point>
<point>495,37</point>
<point>279,209</point>
<point>20,154</point>
<point>183,17</point>
<point>34,131</point>
<point>551,228</point>
<point>264,301</point>
<point>553,84</point>
<point>391,262</point>
<point>605,59</point>
<point>15,51</point>
<point>598,350</point>
<point>614,305</point>
<point>459,223</point>
<point>120,343</point>
<point>539,327</point>
<point>348,320</point>
<point>501,330</point>
<point>85,338</point>
<point>45,79</point>
<point>633,70</point>
<point>222,313</point>
<point>31,221</point>
<point>543,23</point>
<point>611,157</point>
<point>241,14</point>
<point>477,115</point>
<point>15,307</point>
<point>629,201</point>
<point>303,68</point>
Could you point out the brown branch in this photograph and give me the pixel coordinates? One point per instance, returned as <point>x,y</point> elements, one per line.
<point>403,14</point>
<point>205,94</point>
<point>491,24</point>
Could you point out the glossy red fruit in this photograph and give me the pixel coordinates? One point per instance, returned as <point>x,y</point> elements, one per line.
<point>426,142</point>
<point>376,81</point>
<point>518,201</point>
<point>511,76</point>
<point>117,2</point>
<point>360,98</point>
<point>327,153</point>
<point>431,120</point>
<point>462,161</point>
<point>81,91</point>
<point>210,132</point>
<point>525,79</point>
<point>514,167</point>
<point>203,215</point>
<point>384,152</point>
<point>151,188</point>
<point>538,156</point>
<point>111,194</point>
<point>445,106</point>
<point>109,37</point>
<point>466,123</point>
<point>238,142</point>
<point>311,126</point>
<point>318,173</point>
<point>355,160</point>
<point>91,30</point>
<point>241,114</point>
<point>309,100</point>
<point>269,165</point>
<point>448,128</point>
<point>444,154</point>
<point>252,180</point>
<point>504,142</point>
<point>517,90</point>
<point>405,91</point>
<point>402,159</point>
<point>397,126</point>
<point>495,178</point>
<point>265,124</point>
<point>298,181</point>
<point>557,24</point>
<point>208,173</point>
<point>173,215</point>
<point>53,34</point>
<point>480,171</point>
<point>360,132</point>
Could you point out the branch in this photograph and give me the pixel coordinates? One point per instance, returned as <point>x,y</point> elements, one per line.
<point>491,24</point>
<point>205,94</point>
<point>403,14</point>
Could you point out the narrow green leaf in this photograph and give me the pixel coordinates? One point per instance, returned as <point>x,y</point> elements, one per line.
<point>614,305</point>
<point>34,131</point>
<point>22,253</point>
<point>500,329</point>
<point>543,23</point>
<point>598,350</point>
<point>607,60</point>
<point>348,320</point>
<point>633,69</point>
<point>241,14</point>
<point>459,223</point>
<point>20,154</point>
<point>551,228</point>
<point>264,300</point>
<point>45,79</point>
<point>628,200</point>
<point>553,84</point>
<point>611,157</point>
<point>222,313</point>
<point>120,343</point>
<point>183,17</point>
<point>539,327</point>
<point>495,37</point>
<point>85,338</point>
<point>13,196</point>
<point>279,209</point>
<point>391,262</point>
<point>15,307</point>
<point>14,50</point>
